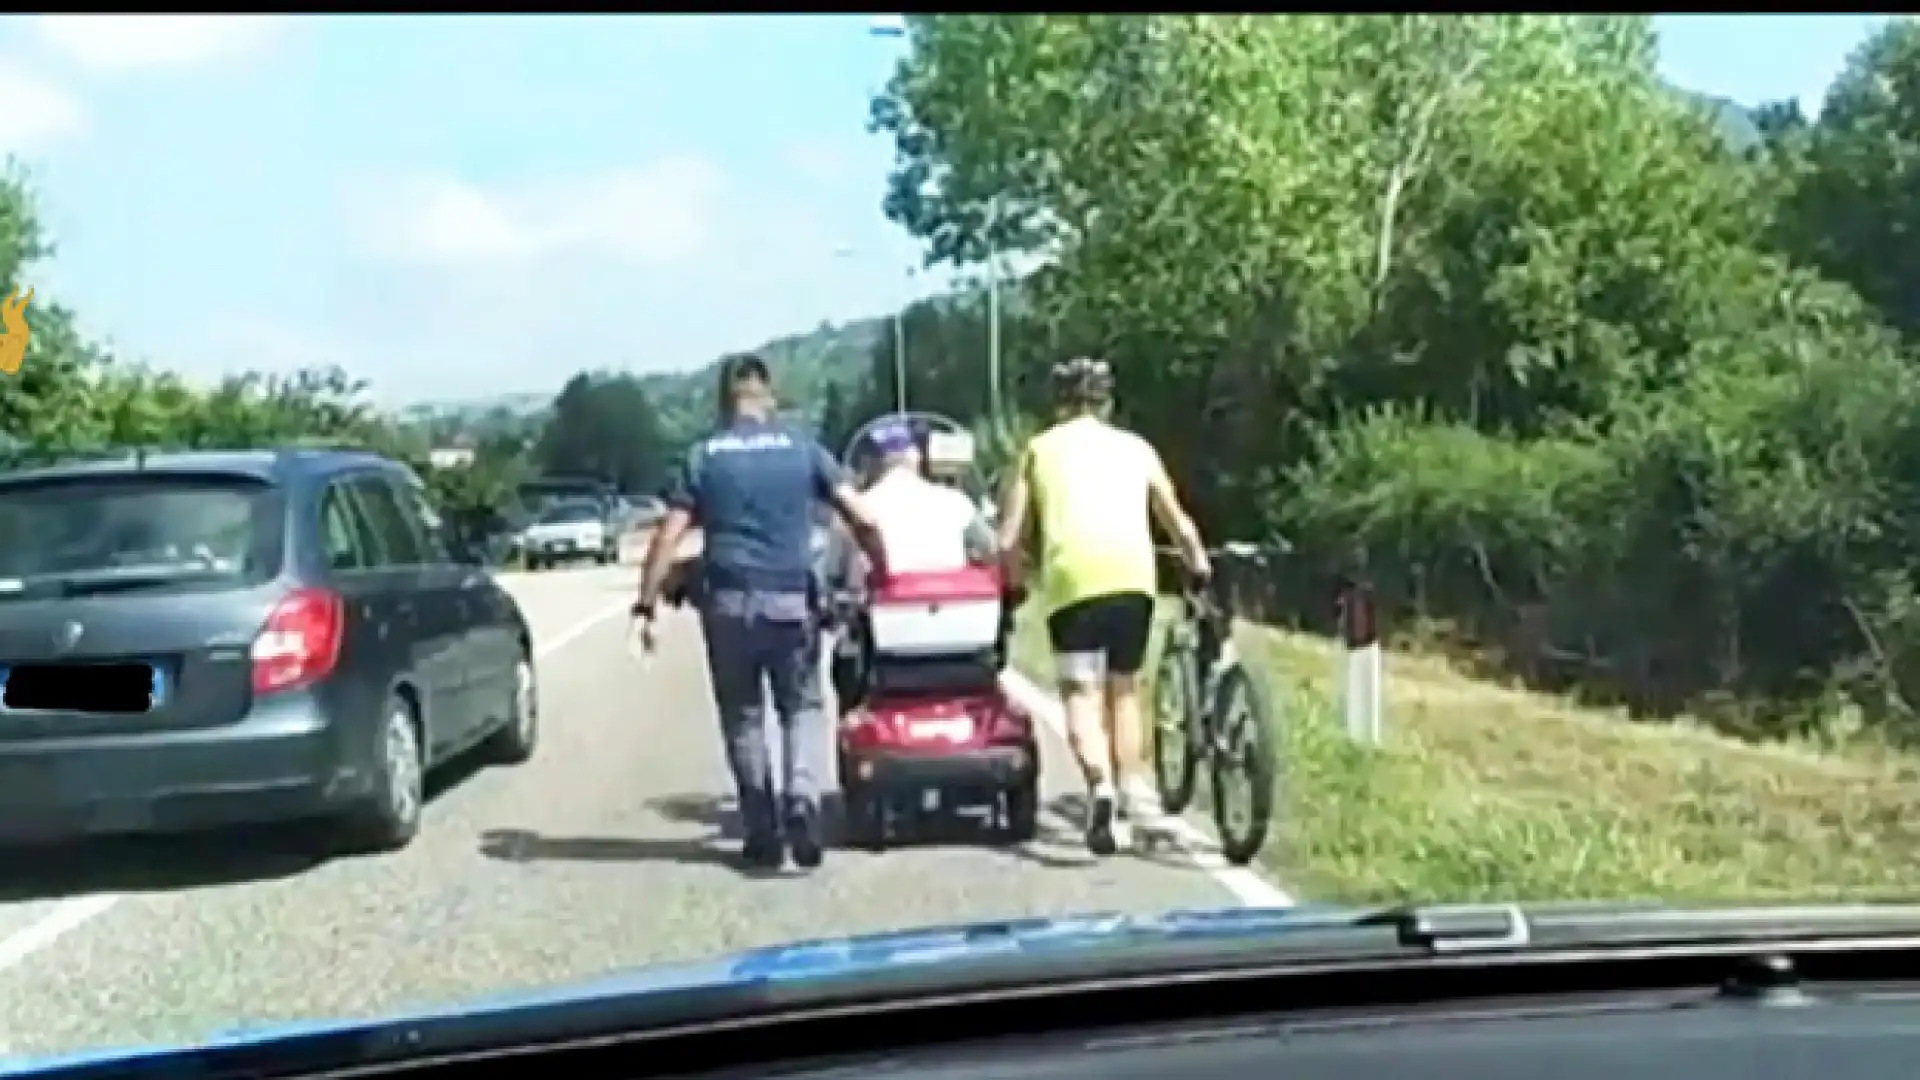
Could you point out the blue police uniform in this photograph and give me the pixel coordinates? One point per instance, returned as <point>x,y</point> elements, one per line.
<point>753,487</point>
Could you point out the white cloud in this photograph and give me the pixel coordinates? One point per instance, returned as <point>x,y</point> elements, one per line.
<point>111,44</point>
<point>34,111</point>
<point>655,214</point>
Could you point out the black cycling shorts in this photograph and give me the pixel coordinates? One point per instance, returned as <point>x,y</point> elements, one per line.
<point>1103,635</point>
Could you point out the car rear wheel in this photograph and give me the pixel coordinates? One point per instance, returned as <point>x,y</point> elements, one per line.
<point>388,817</point>
<point>515,741</point>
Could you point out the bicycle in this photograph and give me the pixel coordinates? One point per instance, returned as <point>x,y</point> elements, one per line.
<point>1208,705</point>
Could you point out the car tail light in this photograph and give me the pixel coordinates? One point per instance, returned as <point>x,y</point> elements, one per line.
<point>300,642</point>
<point>1008,725</point>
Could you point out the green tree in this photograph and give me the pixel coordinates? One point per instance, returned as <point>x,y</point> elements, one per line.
<point>837,421</point>
<point>1479,302</point>
<point>603,426</point>
<point>1853,208</point>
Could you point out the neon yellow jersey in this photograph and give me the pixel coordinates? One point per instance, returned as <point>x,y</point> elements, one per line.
<point>1089,484</point>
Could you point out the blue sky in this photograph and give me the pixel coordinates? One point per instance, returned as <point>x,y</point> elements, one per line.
<point>458,207</point>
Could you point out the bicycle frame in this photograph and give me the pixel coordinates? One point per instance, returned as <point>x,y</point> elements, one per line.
<point>1209,620</point>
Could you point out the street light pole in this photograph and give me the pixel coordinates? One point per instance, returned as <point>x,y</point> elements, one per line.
<point>895,26</point>
<point>900,361</point>
<point>994,409</point>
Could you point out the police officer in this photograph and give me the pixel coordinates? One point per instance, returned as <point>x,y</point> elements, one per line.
<point>751,487</point>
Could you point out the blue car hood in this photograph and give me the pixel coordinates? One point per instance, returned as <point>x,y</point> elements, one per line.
<point>820,960</point>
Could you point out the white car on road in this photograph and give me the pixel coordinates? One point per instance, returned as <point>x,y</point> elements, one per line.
<point>567,532</point>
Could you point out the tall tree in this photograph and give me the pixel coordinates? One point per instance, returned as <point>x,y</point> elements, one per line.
<point>603,426</point>
<point>1854,209</point>
<point>837,422</point>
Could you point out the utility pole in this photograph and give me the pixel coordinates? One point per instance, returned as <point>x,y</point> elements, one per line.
<point>900,361</point>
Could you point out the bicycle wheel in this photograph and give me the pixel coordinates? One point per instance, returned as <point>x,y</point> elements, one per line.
<point>1242,763</point>
<point>1176,725</point>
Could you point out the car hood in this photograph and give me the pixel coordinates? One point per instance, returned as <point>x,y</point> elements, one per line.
<point>807,961</point>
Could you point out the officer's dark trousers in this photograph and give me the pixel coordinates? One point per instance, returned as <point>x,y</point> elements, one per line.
<point>749,654</point>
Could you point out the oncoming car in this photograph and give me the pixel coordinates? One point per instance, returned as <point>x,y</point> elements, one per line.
<point>315,646</point>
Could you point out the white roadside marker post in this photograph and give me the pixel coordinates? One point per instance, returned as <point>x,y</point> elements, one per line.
<point>1361,663</point>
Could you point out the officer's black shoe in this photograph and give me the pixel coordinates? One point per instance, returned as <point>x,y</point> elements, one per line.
<point>803,834</point>
<point>762,853</point>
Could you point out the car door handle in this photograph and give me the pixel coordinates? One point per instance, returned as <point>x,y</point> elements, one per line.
<point>472,581</point>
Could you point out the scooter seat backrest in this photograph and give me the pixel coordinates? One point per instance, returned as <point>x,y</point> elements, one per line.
<point>947,613</point>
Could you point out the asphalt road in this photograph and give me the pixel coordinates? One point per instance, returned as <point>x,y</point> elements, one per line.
<point>605,852</point>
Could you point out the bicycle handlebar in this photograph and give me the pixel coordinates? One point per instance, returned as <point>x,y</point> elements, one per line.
<point>1239,549</point>
<point>1244,549</point>
<point>1214,599</point>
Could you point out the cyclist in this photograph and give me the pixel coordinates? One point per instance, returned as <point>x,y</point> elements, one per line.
<point>1092,489</point>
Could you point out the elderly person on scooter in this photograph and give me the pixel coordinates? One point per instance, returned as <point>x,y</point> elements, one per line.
<point>923,526</point>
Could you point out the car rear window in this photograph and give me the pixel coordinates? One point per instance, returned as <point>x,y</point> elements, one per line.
<point>572,514</point>
<point>538,494</point>
<point>231,529</point>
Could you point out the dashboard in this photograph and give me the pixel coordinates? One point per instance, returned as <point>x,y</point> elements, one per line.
<point>1865,1040</point>
<point>1877,1039</point>
<point>1749,1017</point>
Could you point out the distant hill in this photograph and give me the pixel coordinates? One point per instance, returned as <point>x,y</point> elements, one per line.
<point>1735,119</point>
<point>804,365</point>
<point>467,422</point>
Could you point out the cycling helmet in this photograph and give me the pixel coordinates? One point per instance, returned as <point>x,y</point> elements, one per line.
<point>1082,381</point>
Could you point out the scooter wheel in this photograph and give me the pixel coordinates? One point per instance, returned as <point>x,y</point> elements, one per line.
<point>1023,812</point>
<point>864,818</point>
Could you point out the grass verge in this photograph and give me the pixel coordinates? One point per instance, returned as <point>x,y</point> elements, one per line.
<point>1483,792</point>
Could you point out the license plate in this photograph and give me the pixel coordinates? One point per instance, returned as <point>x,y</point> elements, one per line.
<point>90,688</point>
<point>945,728</point>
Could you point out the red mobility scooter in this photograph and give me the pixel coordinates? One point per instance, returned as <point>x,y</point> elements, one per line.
<point>926,727</point>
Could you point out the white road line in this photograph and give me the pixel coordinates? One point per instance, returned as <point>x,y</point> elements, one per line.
<point>68,915</point>
<point>1198,848</point>
<point>573,633</point>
